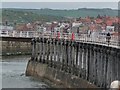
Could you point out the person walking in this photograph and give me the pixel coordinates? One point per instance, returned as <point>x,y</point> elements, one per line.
<point>108,37</point>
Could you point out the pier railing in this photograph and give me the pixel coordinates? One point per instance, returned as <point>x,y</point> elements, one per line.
<point>95,63</point>
<point>114,41</point>
<point>100,39</point>
<point>19,34</point>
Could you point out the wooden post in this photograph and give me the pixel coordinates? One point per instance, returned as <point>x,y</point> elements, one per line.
<point>69,56</point>
<point>33,48</point>
<point>66,56</point>
<point>84,61</point>
<point>51,53</point>
<point>36,50</point>
<point>73,57</point>
<point>57,55</point>
<point>47,51</point>
<point>91,64</point>
<point>105,67</point>
<point>88,64</point>
<point>86,58</point>
<point>42,50</point>
<point>109,67</point>
<point>61,55</point>
<point>118,63</point>
<point>114,64</point>
<point>98,63</point>
<point>54,53</point>
<point>76,58</point>
<point>80,59</point>
<point>101,65</point>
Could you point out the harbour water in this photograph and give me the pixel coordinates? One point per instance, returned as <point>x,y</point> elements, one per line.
<point>13,73</point>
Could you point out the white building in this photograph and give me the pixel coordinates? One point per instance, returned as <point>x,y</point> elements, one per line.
<point>6,27</point>
<point>74,24</point>
<point>4,30</point>
<point>110,28</point>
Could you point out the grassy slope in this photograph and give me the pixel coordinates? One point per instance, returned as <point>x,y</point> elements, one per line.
<point>26,16</point>
<point>19,15</point>
<point>77,13</point>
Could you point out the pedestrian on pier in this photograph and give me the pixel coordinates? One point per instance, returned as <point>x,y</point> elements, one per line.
<point>108,37</point>
<point>73,36</point>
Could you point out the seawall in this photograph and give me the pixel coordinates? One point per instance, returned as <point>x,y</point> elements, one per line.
<point>56,76</point>
<point>15,46</point>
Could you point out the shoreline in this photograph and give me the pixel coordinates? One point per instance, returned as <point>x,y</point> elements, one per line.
<point>15,54</point>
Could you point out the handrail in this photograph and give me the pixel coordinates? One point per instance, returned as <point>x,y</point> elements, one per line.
<point>114,41</point>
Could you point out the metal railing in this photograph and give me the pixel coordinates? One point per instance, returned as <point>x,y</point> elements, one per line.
<point>114,41</point>
<point>19,34</point>
<point>100,39</point>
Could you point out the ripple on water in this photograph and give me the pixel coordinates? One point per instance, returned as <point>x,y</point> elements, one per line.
<point>13,74</point>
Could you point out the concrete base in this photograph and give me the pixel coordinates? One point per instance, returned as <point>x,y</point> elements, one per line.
<point>56,76</point>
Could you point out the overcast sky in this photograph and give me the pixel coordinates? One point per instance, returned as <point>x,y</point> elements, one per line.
<point>59,5</point>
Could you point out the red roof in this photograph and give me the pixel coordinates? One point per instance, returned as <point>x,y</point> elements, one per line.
<point>98,21</point>
<point>109,22</point>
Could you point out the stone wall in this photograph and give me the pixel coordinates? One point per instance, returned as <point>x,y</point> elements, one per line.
<point>15,47</point>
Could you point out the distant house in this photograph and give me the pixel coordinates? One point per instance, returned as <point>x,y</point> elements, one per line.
<point>110,28</point>
<point>76,24</point>
<point>24,27</point>
<point>4,30</point>
<point>98,21</point>
<point>109,22</point>
<point>2,27</point>
<point>41,29</point>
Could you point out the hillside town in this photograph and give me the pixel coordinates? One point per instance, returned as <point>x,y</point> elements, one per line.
<point>91,26</point>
